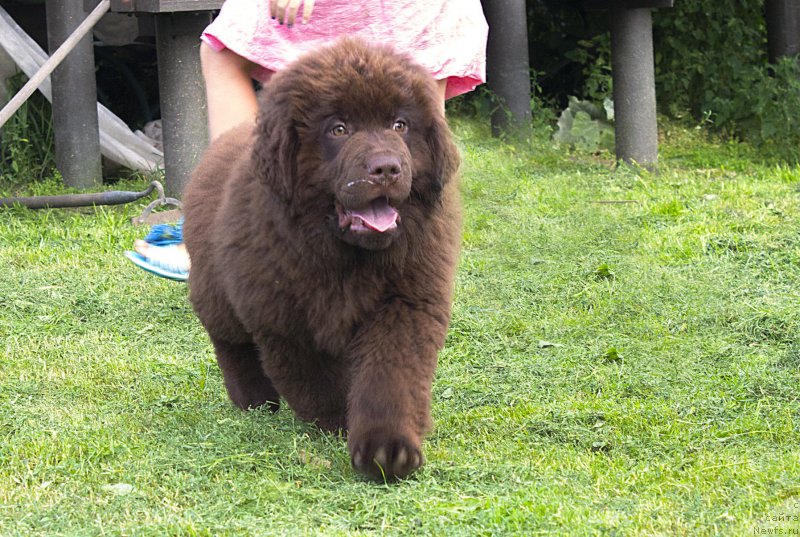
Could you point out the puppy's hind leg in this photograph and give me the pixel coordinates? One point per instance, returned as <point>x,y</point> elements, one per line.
<point>247,385</point>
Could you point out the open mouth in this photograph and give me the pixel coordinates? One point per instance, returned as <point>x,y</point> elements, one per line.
<point>377,216</point>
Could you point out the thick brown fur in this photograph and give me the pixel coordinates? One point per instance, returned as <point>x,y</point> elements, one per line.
<point>300,300</point>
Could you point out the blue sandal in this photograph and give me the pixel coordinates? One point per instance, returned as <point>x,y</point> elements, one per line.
<point>161,259</point>
<point>156,267</point>
<point>165,234</point>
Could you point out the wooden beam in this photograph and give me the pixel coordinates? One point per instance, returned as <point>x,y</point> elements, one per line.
<point>597,5</point>
<point>164,6</point>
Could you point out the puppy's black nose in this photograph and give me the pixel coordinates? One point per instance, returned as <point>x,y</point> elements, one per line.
<point>384,169</point>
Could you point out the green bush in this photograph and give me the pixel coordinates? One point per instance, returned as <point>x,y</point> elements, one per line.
<point>711,66</point>
<point>569,49</point>
<point>711,62</point>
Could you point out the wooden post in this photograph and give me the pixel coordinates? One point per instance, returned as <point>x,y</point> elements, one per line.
<point>783,28</point>
<point>508,67</point>
<point>185,129</point>
<point>77,139</point>
<point>633,73</point>
<point>184,116</point>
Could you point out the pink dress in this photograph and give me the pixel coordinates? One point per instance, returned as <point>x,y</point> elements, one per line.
<point>447,37</point>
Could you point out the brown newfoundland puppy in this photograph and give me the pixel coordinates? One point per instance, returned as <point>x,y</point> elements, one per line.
<point>323,246</point>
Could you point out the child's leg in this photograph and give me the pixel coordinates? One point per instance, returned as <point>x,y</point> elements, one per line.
<point>230,95</point>
<point>442,87</point>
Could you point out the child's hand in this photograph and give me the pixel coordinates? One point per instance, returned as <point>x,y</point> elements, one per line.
<point>286,10</point>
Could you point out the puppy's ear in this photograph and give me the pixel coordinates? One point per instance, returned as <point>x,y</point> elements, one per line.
<point>277,143</point>
<point>444,152</point>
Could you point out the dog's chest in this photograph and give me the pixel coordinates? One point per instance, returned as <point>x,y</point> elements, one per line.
<point>336,309</point>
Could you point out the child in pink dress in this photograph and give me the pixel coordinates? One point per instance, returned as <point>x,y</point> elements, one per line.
<point>255,38</point>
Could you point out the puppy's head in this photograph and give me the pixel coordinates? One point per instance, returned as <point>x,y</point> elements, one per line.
<point>353,140</point>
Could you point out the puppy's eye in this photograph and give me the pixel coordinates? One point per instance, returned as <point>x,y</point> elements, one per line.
<point>339,130</point>
<point>400,126</point>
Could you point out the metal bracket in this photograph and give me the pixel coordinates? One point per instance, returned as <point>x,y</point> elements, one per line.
<point>161,200</point>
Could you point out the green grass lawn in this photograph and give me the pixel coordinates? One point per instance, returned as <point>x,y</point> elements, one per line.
<point>623,359</point>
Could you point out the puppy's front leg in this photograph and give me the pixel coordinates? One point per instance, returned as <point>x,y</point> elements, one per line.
<point>314,384</point>
<point>390,395</point>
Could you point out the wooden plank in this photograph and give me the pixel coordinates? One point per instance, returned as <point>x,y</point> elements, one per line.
<point>164,6</point>
<point>596,5</point>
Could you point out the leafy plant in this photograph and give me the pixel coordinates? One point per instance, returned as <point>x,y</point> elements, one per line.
<point>569,47</point>
<point>26,140</point>
<point>594,57</point>
<point>586,126</point>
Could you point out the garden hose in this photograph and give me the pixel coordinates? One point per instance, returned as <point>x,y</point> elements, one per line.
<point>112,197</point>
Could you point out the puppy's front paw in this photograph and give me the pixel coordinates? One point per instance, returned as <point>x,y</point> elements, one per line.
<point>384,455</point>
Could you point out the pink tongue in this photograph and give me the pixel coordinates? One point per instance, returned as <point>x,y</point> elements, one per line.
<point>379,216</point>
